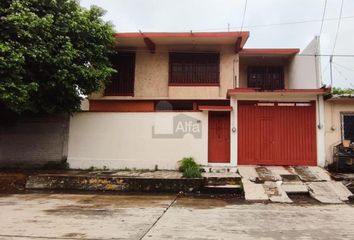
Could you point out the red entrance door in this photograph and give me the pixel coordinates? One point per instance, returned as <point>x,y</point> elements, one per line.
<point>219,137</point>
<point>277,133</point>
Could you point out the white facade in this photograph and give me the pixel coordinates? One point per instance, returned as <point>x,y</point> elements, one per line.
<point>126,140</point>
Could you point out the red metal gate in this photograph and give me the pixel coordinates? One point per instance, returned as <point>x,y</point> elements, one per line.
<point>277,133</point>
<point>219,137</point>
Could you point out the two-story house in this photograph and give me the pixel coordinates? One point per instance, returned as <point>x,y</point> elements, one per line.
<point>202,95</point>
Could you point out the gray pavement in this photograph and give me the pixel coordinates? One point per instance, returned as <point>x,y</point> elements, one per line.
<point>90,216</point>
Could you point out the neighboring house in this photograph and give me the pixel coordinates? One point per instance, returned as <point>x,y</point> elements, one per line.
<point>203,95</point>
<point>339,110</point>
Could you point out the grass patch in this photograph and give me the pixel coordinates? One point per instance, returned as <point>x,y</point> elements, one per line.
<point>190,168</point>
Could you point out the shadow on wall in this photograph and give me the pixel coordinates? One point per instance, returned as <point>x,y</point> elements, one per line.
<point>33,141</point>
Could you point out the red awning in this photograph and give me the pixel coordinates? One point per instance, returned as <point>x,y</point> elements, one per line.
<point>255,91</point>
<point>215,108</point>
<point>269,51</point>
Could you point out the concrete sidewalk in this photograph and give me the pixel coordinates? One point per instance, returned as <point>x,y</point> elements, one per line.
<point>259,183</point>
<point>275,183</point>
<point>136,217</point>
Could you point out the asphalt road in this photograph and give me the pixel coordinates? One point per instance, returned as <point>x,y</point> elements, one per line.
<point>89,216</point>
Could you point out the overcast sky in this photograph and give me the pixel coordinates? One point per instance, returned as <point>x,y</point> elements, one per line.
<point>215,15</point>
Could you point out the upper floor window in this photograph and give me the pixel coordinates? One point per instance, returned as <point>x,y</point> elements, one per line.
<point>122,82</point>
<point>194,69</point>
<point>266,77</point>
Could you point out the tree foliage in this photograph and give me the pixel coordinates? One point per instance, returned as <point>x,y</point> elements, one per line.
<point>51,53</point>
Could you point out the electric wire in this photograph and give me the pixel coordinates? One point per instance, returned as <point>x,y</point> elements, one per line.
<point>344,77</point>
<point>345,67</point>
<point>274,24</point>
<point>323,16</point>
<point>338,26</point>
<point>244,15</point>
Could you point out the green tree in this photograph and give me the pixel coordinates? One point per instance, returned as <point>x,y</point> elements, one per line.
<point>51,53</point>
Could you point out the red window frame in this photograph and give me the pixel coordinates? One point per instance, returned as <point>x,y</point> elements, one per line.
<point>194,69</point>
<point>266,77</point>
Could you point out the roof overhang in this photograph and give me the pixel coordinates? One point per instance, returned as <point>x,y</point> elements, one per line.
<point>151,39</point>
<point>215,108</point>
<point>275,93</point>
<point>341,98</point>
<point>269,52</point>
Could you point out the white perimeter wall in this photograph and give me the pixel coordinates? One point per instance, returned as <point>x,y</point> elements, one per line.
<point>120,140</point>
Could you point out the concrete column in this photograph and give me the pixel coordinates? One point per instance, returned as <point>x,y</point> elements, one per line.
<point>321,155</point>
<point>233,133</point>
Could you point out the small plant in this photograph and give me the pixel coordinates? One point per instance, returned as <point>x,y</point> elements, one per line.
<point>190,168</point>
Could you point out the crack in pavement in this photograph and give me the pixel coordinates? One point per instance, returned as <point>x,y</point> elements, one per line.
<point>163,213</point>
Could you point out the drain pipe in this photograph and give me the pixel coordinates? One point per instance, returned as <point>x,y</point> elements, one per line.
<point>320,125</point>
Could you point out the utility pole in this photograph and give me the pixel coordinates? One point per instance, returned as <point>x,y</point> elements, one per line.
<point>330,70</point>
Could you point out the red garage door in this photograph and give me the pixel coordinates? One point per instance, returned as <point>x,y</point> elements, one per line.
<point>276,133</point>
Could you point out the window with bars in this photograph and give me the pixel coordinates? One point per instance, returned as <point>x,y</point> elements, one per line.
<point>348,126</point>
<point>266,77</point>
<point>122,82</point>
<point>194,69</point>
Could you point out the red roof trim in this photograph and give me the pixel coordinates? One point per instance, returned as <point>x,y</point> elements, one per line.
<point>215,108</point>
<point>255,90</point>
<point>181,34</point>
<point>280,51</point>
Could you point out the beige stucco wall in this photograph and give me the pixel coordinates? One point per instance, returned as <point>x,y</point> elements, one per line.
<point>120,140</point>
<point>333,110</point>
<point>152,70</point>
<point>151,74</point>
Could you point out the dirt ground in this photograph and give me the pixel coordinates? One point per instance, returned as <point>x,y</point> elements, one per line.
<point>132,216</point>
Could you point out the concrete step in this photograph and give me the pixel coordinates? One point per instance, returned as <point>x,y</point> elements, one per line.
<point>228,186</point>
<point>220,179</point>
<point>219,169</point>
<point>222,189</point>
<point>323,192</point>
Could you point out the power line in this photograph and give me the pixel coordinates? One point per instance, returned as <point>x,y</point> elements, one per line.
<point>338,26</point>
<point>344,67</point>
<point>244,15</point>
<point>345,78</point>
<point>323,16</point>
<point>276,24</point>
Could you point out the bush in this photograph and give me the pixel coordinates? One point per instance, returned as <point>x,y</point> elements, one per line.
<point>190,168</point>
